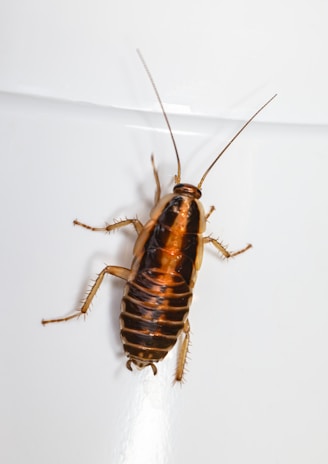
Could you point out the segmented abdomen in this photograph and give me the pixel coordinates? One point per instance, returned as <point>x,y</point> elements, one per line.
<point>154,308</point>
<point>158,293</point>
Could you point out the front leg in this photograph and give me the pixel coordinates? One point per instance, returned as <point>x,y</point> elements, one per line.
<point>223,250</point>
<point>157,182</point>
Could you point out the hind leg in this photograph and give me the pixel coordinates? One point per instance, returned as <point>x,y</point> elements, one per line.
<point>117,271</point>
<point>182,356</point>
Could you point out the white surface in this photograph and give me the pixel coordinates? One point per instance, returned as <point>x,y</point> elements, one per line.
<point>213,58</point>
<point>256,387</point>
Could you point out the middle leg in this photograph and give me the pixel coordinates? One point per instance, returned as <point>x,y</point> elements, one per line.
<point>117,225</point>
<point>223,250</point>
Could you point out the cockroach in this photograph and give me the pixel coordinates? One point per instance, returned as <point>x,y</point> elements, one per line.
<point>166,257</point>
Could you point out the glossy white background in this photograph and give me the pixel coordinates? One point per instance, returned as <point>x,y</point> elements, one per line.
<point>79,121</point>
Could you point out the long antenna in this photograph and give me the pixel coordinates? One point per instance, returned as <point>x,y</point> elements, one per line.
<point>199,186</point>
<point>178,175</point>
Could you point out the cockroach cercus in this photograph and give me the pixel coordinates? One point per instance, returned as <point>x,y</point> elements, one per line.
<point>166,257</point>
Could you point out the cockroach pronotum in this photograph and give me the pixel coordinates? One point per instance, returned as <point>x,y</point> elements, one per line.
<point>166,257</point>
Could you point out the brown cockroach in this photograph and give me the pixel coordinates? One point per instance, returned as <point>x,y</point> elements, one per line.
<point>166,257</point>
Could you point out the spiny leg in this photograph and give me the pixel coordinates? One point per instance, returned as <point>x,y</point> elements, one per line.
<point>223,250</point>
<point>117,225</point>
<point>158,184</point>
<point>117,271</point>
<point>182,356</point>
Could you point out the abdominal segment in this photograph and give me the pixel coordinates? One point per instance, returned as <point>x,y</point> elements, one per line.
<point>155,306</point>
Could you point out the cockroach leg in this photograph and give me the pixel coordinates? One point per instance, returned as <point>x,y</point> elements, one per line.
<point>223,250</point>
<point>212,208</point>
<point>110,227</point>
<point>182,356</point>
<point>117,271</point>
<point>158,184</point>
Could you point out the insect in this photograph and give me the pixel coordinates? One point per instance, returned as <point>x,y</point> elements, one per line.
<point>166,257</point>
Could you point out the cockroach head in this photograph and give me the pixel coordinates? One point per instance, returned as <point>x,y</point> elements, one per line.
<point>188,189</point>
